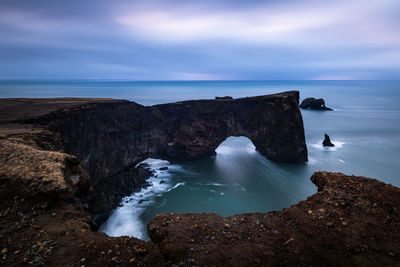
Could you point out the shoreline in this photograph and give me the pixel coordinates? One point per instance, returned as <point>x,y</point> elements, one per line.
<point>350,220</point>
<point>45,217</point>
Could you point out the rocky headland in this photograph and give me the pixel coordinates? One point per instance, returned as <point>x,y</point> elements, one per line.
<point>111,138</point>
<point>62,160</point>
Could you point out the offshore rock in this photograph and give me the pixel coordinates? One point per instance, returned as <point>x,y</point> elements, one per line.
<point>312,103</point>
<point>327,141</point>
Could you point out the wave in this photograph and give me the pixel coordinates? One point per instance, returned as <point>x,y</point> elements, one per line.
<point>176,186</point>
<point>126,220</point>
<point>319,146</point>
<point>215,184</point>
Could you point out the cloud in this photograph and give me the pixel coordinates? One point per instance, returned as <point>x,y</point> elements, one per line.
<point>200,40</point>
<point>301,23</point>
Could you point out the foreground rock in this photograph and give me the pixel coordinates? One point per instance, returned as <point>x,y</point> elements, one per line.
<point>351,221</point>
<point>327,141</point>
<point>312,103</point>
<point>43,221</point>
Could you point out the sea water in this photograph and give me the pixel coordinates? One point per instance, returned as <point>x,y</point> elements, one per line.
<point>364,126</point>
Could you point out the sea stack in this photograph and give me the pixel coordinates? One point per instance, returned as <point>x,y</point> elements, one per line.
<point>327,141</point>
<point>312,103</point>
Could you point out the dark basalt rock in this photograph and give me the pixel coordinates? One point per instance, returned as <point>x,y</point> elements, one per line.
<point>327,141</point>
<point>109,192</point>
<point>312,103</point>
<point>109,137</point>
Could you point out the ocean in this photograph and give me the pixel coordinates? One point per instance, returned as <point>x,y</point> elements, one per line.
<point>364,126</point>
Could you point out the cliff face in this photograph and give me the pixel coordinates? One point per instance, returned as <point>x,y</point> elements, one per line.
<point>44,220</point>
<point>351,221</point>
<point>108,137</point>
<point>43,213</point>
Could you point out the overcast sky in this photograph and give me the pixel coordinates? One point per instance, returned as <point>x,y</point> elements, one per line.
<point>200,40</point>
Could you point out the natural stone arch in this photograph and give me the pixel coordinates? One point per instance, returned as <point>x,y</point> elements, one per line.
<point>196,128</point>
<point>109,137</point>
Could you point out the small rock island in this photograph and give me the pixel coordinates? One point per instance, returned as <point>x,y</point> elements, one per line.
<point>327,141</point>
<point>313,103</point>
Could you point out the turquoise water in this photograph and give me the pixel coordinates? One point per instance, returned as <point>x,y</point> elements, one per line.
<point>365,126</point>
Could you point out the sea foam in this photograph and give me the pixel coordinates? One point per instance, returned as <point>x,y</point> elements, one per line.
<point>126,220</point>
<point>319,146</point>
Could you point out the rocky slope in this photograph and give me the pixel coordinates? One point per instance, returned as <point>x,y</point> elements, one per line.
<point>350,221</point>
<point>43,216</point>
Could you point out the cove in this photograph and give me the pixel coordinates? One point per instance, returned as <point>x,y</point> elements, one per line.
<point>238,179</point>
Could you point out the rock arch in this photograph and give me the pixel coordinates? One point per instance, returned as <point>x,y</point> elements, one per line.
<point>109,137</point>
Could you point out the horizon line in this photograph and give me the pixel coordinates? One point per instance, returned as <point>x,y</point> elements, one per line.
<point>228,80</point>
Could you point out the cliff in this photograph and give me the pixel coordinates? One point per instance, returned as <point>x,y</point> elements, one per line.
<point>109,138</point>
<point>349,221</point>
<point>43,216</point>
<point>45,194</point>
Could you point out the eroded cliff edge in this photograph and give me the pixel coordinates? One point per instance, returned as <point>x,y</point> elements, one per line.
<point>44,218</point>
<point>110,138</point>
<point>349,221</point>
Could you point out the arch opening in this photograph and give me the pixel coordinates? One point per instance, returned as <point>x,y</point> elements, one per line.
<point>235,144</point>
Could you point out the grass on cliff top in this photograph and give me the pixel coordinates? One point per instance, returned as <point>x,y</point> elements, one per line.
<point>41,170</point>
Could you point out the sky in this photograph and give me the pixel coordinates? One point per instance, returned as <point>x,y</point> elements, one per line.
<point>200,40</point>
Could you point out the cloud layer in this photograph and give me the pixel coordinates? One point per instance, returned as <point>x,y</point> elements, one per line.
<point>200,40</point>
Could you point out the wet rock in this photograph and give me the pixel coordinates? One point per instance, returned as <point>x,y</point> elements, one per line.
<point>163,168</point>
